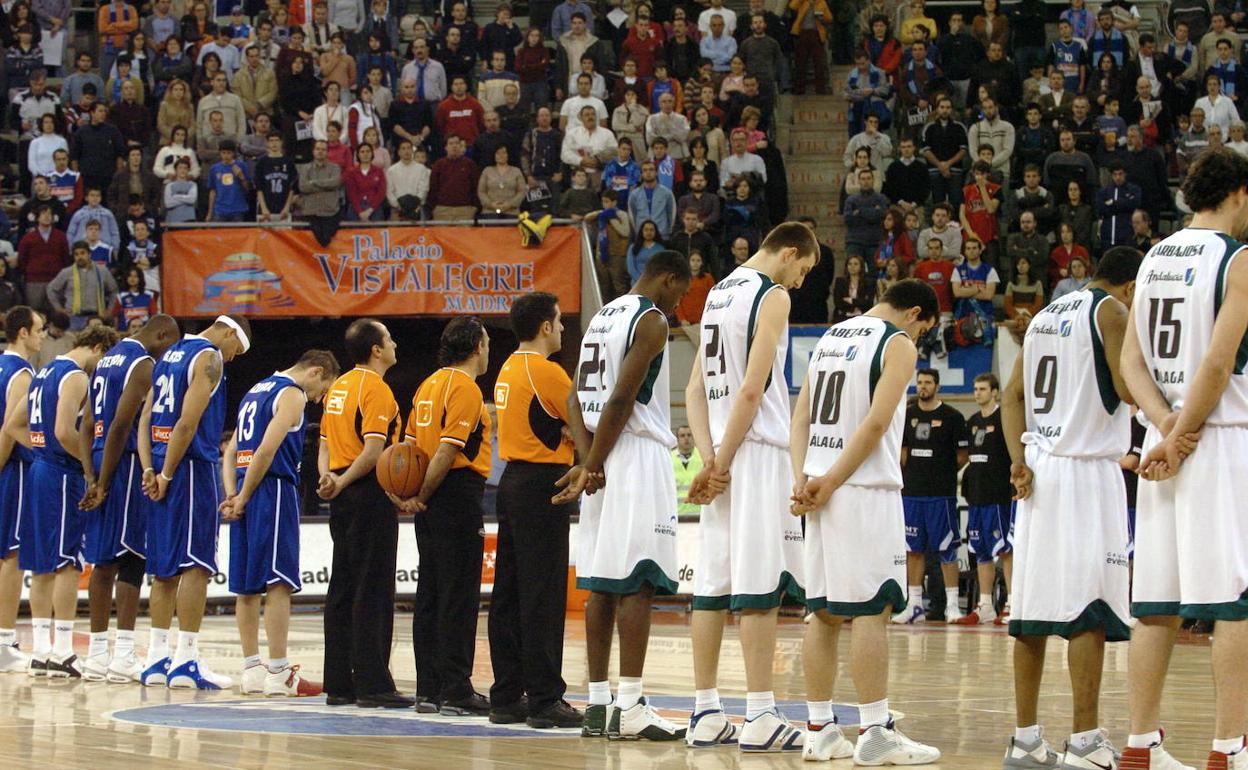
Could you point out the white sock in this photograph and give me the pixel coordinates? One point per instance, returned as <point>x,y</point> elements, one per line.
<point>985,605</point>
<point>123,646</point>
<point>1027,734</point>
<point>706,700</point>
<point>277,664</point>
<point>951,602</point>
<point>819,712</point>
<point>251,661</point>
<point>157,646</point>
<point>599,693</point>
<point>629,692</point>
<point>1080,741</point>
<point>8,637</point>
<point>43,635</point>
<point>914,597</point>
<point>871,714</point>
<point>1145,741</point>
<point>63,639</point>
<point>98,644</point>
<point>759,703</point>
<point>1229,745</point>
<point>188,648</point>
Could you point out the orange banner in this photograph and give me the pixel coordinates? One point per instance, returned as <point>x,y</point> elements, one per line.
<point>394,271</point>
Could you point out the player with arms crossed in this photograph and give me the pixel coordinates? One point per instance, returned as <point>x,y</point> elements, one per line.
<point>24,330</point>
<point>52,530</point>
<point>180,444</point>
<point>116,535</point>
<point>620,417</point>
<point>846,454</point>
<point>1186,352</point>
<point>1066,417</point>
<point>260,473</point>
<point>750,552</point>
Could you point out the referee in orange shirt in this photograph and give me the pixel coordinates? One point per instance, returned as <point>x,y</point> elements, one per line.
<point>529,599</point>
<point>449,422</point>
<point>361,418</point>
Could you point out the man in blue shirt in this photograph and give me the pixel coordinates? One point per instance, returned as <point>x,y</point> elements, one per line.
<point>228,184</point>
<point>561,19</point>
<point>718,46</point>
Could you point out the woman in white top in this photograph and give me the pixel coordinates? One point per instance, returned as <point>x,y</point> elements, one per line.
<point>362,116</point>
<point>167,157</point>
<point>39,157</point>
<point>332,109</point>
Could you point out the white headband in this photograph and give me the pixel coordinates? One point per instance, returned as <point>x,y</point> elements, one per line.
<point>242,335</point>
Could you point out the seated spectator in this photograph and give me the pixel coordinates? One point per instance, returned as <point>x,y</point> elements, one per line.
<point>894,242</point>
<point>229,185</point>
<point>974,284</point>
<point>652,201</point>
<point>945,230</point>
<point>1077,279</point>
<point>320,183</point>
<point>453,183</point>
<point>864,217</point>
<point>646,244</point>
<point>1115,204</point>
<point>1029,244</point>
<point>276,180</point>
<point>1066,250</point>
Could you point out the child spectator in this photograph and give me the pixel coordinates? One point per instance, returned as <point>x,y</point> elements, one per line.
<point>101,253</point>
<point>134,301</point>
<point>181,194</point>
<point>228,186</point>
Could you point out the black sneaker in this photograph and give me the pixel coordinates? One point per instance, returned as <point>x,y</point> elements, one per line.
<point>594,721</point>
<point>64,668</point>
<point>558,714</point>
<point>427,705</point>
<point>474,705</point>
<point>512,713</point>
<point>38,666</point>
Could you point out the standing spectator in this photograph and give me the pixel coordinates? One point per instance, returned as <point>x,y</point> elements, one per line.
<point>502,34</point>
<point>943,228</point>
<point>501,187</point>
<point>1079,277</point>
<point>895,243</point>
<point>181,194</point>
<point>717,44</point>
<point>255,84</point>
<point>1024,295</point>
<point>176,110</point>
<point>97,149</point>
<point>362,116</point>
<point>228,104</point>
<point>1147,169</point>
<point>64,182</point>
<point>645,245</point>
<point>338,66</point>
<point>852,293</point>
<point>741,163</point>
<point>221,47</point>
<point>960,55</point>
<point>91,210</point>
<point>906,179</point>
<point>449,520</point>
<point>359,604</point>
<point>588,146</point>
<point>407,183</point>
<point>934,447</point>
<point>428,73</point>
<point>131,117</point>
<point>980,203</point>
<point>461,114</point>
<point>1066,249</point>
<point>172,64</point>
<point>365,187</point>
<point>810,28</point>
<point>628,121</point>
<point>228,187</point>
<point>1029,244</point>
<point>453,183</point>
<point>320,184</point>
<point>83,290</point>
<point>532,64</point>
<point>39,157</point>
<point>669,125</point>
<point>642,46</point>
<point>706,18</point>
<point>41,196</point>
<point>681,52</point>
<point>686,460</point>
<point>84,73</point>
<point>135,178</point>
<point>114,22</point>
<point>936,270</point>
<point>41,254</point>
<point>974,284</point>
<point>1034,198</point>
<point>762,54</point>
<point>866,88</point>
<point>275,178</point>
<point>159,27</point>
<point>541,159</point>
<point>410,118</point>
<point>1115,204</point>
<point>702,200</point>
<point>652,202</point>
<point>997,133</point>
<point>1068,164</point>
<point>864,217</point>
<point>944,148</point>
<point>570,110</point>
<point>986,487</point>
<point>875,140</point>
<point>1218,108</point>
<point>561,21</point>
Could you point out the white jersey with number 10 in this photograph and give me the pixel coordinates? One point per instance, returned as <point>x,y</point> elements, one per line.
<point>1178,293</point>
<point>603,347</point>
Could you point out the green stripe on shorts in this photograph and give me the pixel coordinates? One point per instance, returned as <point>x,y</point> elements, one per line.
<point>889,595</point>
<point>1236,610</point>
<point>646,571</point>
<point>1096,617</point>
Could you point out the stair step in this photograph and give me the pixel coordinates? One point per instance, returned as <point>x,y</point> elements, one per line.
<point>824,210</point>
<point>821,116</point>
<point>808,143</point>
<point>826,178</point>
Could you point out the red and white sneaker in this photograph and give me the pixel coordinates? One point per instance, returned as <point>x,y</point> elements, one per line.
<point>1219,761</point>
<point>287,683</point>
<point>973,619</point>
<point>1004,618</point>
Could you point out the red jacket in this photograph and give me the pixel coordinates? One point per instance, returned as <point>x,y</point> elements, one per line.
<point>453,182</point>
<point>463,117</point>
<point>364,191</point>
<point>41,260</point>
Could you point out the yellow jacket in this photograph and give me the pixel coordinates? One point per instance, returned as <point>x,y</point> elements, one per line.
<point>803,7</point>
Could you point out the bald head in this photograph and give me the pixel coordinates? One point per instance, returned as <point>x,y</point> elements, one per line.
<point>158,334</point>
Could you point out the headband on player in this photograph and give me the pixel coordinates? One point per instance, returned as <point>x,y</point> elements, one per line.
<point>242,335</point>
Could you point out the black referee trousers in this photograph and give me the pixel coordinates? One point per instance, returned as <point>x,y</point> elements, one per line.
<point>450,541</point>
<point>359,604</point>
<point>528,603</point>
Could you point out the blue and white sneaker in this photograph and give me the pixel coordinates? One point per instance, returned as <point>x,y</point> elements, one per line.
<point>157,674</point>
<point>195,675</point>
<point>711,728</point>
<point>911,615</point>
<point>770,732</point>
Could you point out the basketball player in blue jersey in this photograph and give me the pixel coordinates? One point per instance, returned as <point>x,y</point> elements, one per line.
<point>24,331</point>
<point>179,442</point>
<point>52,528</point>
<point>116,534</point>
<point>260,472</point>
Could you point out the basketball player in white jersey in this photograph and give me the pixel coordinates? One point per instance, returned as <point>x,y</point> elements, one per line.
<point>1066,419</point>
<point>620,418</point>
<point>1187,352</point>
<point>750,552</point>
<point>846,452</point>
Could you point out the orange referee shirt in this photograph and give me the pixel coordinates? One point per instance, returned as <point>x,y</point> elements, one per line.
<point>531,396</point>
<point>448,406</point>
<point>358,405</point>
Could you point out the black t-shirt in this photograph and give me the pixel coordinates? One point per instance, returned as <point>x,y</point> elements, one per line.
<point>1137,449</point>
<point>275,177</point>
<point>933,440</point>
<point>986,480</point>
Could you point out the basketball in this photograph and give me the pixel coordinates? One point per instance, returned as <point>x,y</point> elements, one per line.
<point>401,469</point>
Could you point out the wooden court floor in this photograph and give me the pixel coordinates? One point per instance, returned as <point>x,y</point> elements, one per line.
<point>953,686</point>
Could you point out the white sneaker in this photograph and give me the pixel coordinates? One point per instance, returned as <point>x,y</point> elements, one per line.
<point>1101,755</point>
<point>126,669</point>
<point>641,721</point>
<point>1028,756</point>
<point>64,667</point>
<point>13,660</point>
<point>885,745</point>
<point>95,667</point>
<point>711,728</point>
<point>953,614</point>
<point>1152,758</point>
<point>252,682</point>
<point>825,743</point>
<point>770,732</point>
<point>911,615</point>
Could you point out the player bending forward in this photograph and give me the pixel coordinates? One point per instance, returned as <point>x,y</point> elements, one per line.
<point>260,474</point>
<point>846,450</point>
